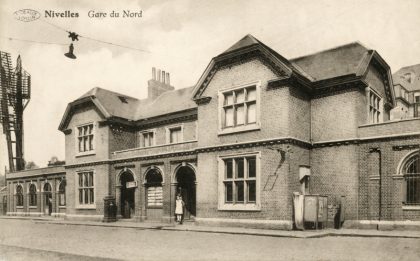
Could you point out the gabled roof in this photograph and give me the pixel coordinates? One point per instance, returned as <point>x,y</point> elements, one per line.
<point>247,40</point>
<point>115,105</point>
<point>402,77</point>
<point>336,62</point>
<point>168,102</point>
<point>249,45</point>
<point>327,68</point>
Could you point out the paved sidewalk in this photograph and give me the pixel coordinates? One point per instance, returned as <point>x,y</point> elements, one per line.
<point>229,230</point>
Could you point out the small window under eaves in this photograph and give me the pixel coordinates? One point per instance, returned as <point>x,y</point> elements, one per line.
<point>123,99</point>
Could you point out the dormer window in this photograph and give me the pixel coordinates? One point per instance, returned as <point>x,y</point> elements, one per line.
<point>409,77</point>
<point>123,99</point>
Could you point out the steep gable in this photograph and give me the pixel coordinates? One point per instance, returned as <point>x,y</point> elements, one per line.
<point>245,48</point>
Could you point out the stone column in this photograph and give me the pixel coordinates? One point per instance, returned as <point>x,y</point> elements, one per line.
<point>118,200</point>
<point>137,208</point>
<point>53,197</point>
<point>38,196</point>
<point>137,194</point>
<point>25,187</point>
<point>173,197</point>
<point>41,198</point>
<point>143,215</point>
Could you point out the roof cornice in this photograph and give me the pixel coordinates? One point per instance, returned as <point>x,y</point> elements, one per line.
<point>68,113</point>
<point>283,69</point>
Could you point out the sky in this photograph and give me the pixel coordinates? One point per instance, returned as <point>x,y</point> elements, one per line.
<point>179,37</point>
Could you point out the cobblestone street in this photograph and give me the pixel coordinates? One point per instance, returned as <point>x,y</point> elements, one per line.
<point>29,240</point>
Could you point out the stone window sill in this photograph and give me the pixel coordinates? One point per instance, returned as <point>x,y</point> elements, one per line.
<point>240,207</point>
<point>155,207</point>
<point>86,153</point>
<point>86,207</point>
<point>411,207</point>
<point>243,128</point>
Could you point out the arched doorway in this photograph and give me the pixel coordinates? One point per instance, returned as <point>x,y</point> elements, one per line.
<point>127,200</point>
<point>154,194</point>
<point>47,199</point>
<point>185,178</point>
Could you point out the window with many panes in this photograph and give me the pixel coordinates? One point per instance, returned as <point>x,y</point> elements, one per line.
<point>416,104</point>
<point>148,139</point>
<point>32,195</point>
<point>374,108</point>
<point>85,138</point>
<point>86,189</point>
<point>62,193</point>
<point>239,107</point>
<point>240,180</point>
<point>19,196</point>
<point>175,134</point>
<point>411,172</point>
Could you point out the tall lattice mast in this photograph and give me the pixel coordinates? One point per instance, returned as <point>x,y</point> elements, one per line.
<point>15,93</point>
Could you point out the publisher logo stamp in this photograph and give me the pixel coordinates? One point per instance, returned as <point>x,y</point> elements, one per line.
<point>27,15</point>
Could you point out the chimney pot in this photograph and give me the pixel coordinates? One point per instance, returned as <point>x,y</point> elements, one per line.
<point>153,73</point>
<point>163,77</point>
<point>158,75</point>
<point>167,79</point>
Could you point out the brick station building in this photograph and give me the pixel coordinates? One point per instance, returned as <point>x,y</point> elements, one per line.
<point>234,144</point>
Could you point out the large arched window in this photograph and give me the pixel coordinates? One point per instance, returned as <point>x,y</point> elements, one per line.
<point>62,194</point>
<point>19,196</point>
<point>32,195</point>
<point>154,189</point>
<point>411,172</point>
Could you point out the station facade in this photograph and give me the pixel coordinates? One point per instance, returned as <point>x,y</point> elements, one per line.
<point>234,145</point>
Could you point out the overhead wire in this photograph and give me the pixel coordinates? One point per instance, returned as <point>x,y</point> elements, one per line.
<point>283,40</point>
<point>30,41</point>
<point>94,39</point>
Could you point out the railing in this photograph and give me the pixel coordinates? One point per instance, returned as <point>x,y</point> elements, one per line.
<point>390,128</point>
<point>153,150</point>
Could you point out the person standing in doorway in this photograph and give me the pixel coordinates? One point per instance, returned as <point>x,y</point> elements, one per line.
<point>179,208</point>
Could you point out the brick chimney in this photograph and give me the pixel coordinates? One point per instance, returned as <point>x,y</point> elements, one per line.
<point>159,84</point>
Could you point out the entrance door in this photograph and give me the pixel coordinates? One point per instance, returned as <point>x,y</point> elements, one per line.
<point>47,199</point>
<point>186,187</point>
<point>128,187</point>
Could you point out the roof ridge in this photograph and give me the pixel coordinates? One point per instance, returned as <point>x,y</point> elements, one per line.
<point>328,50</point>
<point>168,92</point>
<point>247,40</point>
<point>114,92</point>
<point>408,66</point>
